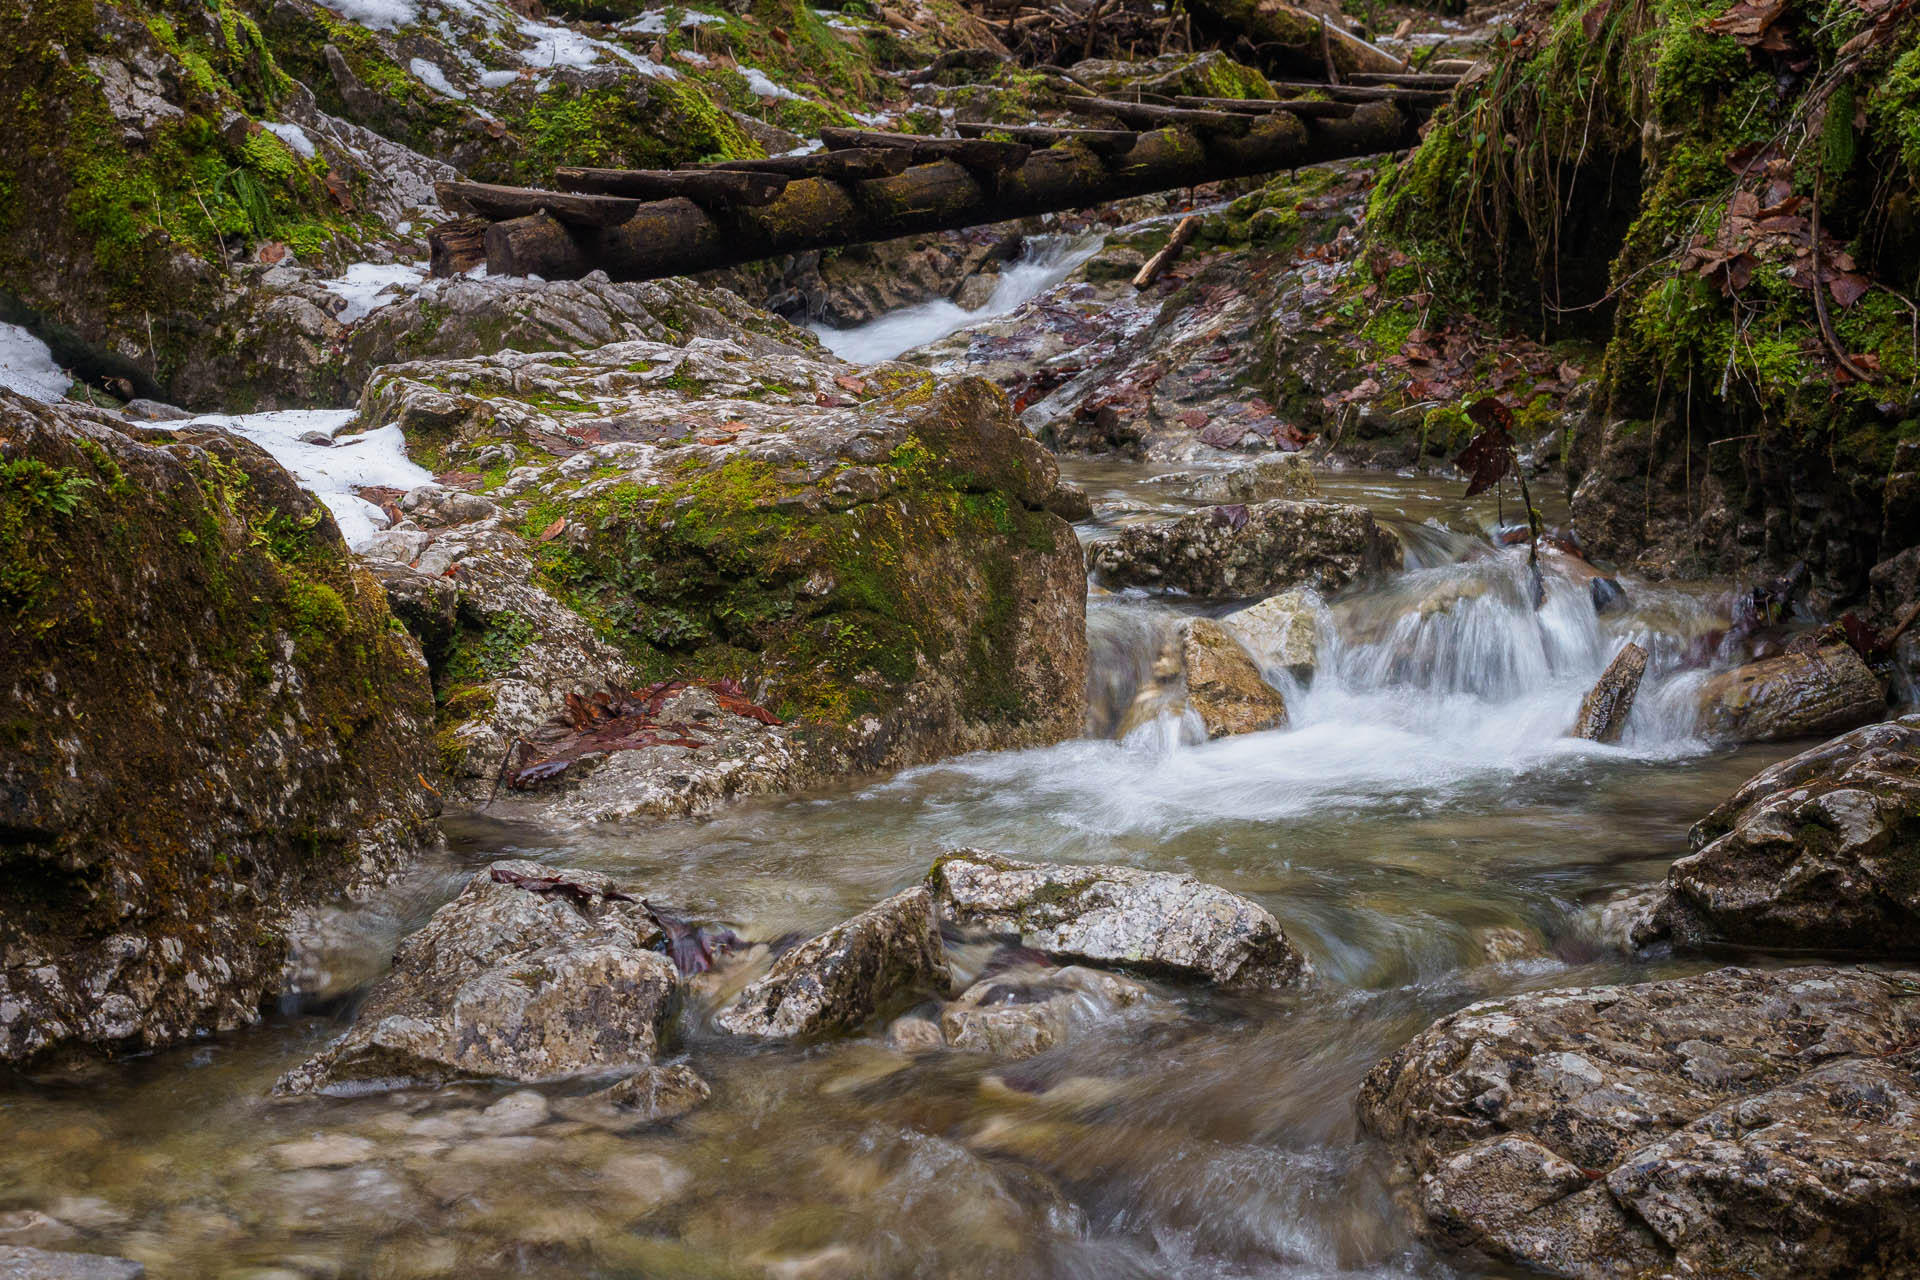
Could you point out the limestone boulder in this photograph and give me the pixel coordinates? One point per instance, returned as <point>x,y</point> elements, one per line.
<point>1256,549</point>
<point>887,955</point>
<point>534,973</point>
<point>1283,631</point>
<point>1156,922</point>
<point>1738,1122</point>
<point>213,725</point>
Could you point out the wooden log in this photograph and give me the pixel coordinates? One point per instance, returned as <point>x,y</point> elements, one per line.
<point>1167,256</point>
<point>1306,108</point>
<point>1603,712</point>
<point>702,186</point>
<point>1363,92</point>
<point>1149,116</point>
<point>837,166</point>
<point>1405,79</point>
<point>674,237</point>
<point>984,155</point>
<point>1102,142</point>
<point>457,246</point>
<point>1290,38</point>
<point>497,203</point>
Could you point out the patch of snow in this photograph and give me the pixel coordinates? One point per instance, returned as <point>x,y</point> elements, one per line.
<point>562,47</point>
<point>27,367</point>
<point>364,282</point>
<point>651,23</point>
<point>806,148</point>
<point>692,56</point>
<point>330,473</point>
<point>435,79</point>
<point>294,136</point>
<point>384,15</point>
<point>498,79</point>
<point>758,83</point>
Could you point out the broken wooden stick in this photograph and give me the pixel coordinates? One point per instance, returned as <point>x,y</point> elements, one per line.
<point>1167,256</point>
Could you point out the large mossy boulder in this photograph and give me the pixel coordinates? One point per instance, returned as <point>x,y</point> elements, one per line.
<point>868,555</point>
<point>1740,1122</point>
<point>208,720</point>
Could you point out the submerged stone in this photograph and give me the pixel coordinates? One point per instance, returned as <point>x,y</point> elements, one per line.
<point>1018,1013</point>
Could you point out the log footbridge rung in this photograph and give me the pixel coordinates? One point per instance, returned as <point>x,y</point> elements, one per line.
<point>638,224</point>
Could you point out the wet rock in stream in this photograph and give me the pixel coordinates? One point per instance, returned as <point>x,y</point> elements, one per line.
<point>1820,852</point>
<point>1762,1124</point>
<point>507,982</point>
<point>1257,549</point>
<point>846,976</point>
<point>1817,690</point>
<point>18,1263</point>
<point>1158,922</point>
<point>1224,685</point>
<point>1018,1013</point>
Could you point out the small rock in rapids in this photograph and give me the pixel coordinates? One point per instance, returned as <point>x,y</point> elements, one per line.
<point>1018,1013</point>
<point>844,977</point>
<point>1224,686</point>
<point>1120,917</point>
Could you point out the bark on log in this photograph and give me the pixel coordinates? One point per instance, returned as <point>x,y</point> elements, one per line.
<point>500,203</point>
<point>1603,712</point>
<point>839,166</point>
<point>702,186</point>
<point>1405,79</point>
<point>1296,33</point>
<point>1160,261</point>
<point>1102,142</point>
<point>457,246</point>
<point>1306,107</point>
<point>1148,116</point>
<point>674,237</point>
<point>1364,92</point>
<point>983,155</point>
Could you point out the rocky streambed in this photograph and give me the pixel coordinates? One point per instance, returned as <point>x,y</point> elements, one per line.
<point>876,845</point>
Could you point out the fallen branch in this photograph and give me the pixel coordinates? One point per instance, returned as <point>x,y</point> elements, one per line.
<point>1167,256</point>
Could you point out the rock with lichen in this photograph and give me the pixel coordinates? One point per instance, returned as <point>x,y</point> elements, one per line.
<point>1254,549</point>
<point>1158,922</point>
<point>533,973</point>
<point>213,723</point>
<point>869,557</point>
<point>1735,1122</point>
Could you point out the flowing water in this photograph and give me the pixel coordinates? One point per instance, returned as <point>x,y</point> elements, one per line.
<point>1044,261</point>
<point>1423,830</point>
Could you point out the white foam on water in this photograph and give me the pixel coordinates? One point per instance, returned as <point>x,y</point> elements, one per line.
<point>330,472</point>
<point>1045,262</point>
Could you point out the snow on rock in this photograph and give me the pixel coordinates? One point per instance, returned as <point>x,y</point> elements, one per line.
<point>382,15</point>
<point>330,471</point>
<point>27,367</point>
<point>758,83</point>
<point>294,136</point>
<point>364,282</point>
<point>435,79</point>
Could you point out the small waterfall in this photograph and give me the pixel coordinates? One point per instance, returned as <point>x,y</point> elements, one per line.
<point>1044,262</point>
<point>1445,663</point>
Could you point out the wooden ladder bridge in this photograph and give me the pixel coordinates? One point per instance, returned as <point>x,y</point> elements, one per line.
<point>639,224</point>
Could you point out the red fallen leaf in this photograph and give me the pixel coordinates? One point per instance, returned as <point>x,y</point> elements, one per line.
<point>1847,287</point>
<point>1488,456</point>
<point>553,530</point>
<point>848,382</point>
<point>1233,516</point>
<point>1223,435</point>
<point>713,440</point>
<point>338,189</point>
<point>271,252</point>
<point>1195,418</point>
<point>1863,638</point>
<point>1569,374</point>
<point>1594,19</point>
